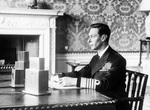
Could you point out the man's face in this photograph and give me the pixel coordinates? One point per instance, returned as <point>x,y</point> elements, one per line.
<point>94,39</point>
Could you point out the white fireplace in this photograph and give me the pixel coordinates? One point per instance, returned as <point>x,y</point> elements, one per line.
<point>33,22</point>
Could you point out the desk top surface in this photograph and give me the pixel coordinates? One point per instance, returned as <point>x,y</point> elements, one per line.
<point>11,97</point>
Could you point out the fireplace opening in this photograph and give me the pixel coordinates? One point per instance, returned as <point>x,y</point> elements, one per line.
<point>11,44</point>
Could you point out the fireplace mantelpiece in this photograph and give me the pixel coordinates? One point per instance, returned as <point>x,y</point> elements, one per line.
<point>39,22</point>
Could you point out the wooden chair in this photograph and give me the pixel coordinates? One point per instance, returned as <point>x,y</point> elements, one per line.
<point>136,86</point>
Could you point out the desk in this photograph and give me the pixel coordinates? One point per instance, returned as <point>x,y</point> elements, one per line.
<point>147,50</point>
<point>66,99</point>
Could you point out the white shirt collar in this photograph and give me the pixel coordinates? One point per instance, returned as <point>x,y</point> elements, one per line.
<point>103,51</point>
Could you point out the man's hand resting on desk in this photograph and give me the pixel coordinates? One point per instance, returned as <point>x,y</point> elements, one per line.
<point>57,79</point>
<point>68,81</point>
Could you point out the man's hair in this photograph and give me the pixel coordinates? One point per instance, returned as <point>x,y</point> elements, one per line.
<point>103,29</point>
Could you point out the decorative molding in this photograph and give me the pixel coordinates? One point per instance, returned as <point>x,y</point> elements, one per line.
<point>93,52</point>
<point>23,22</point>
<point>63,106</point>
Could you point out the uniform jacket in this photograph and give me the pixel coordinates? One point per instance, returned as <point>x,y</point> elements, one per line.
<point>109,70</point>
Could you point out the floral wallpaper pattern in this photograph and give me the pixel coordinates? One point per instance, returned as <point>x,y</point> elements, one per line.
<point>123,17</point>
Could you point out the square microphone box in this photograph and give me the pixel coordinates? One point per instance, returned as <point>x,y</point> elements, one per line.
<point>36,81</point>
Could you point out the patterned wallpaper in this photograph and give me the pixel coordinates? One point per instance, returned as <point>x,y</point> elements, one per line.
<point>123,17</point>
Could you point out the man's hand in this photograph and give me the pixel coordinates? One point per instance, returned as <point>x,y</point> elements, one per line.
<point>63,81</point>
<point>68,81</point>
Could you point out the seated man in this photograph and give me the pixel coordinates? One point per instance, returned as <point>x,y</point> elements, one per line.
<point>107,68</point>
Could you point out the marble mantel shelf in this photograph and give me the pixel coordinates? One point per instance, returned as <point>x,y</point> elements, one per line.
<point>44,12</point>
